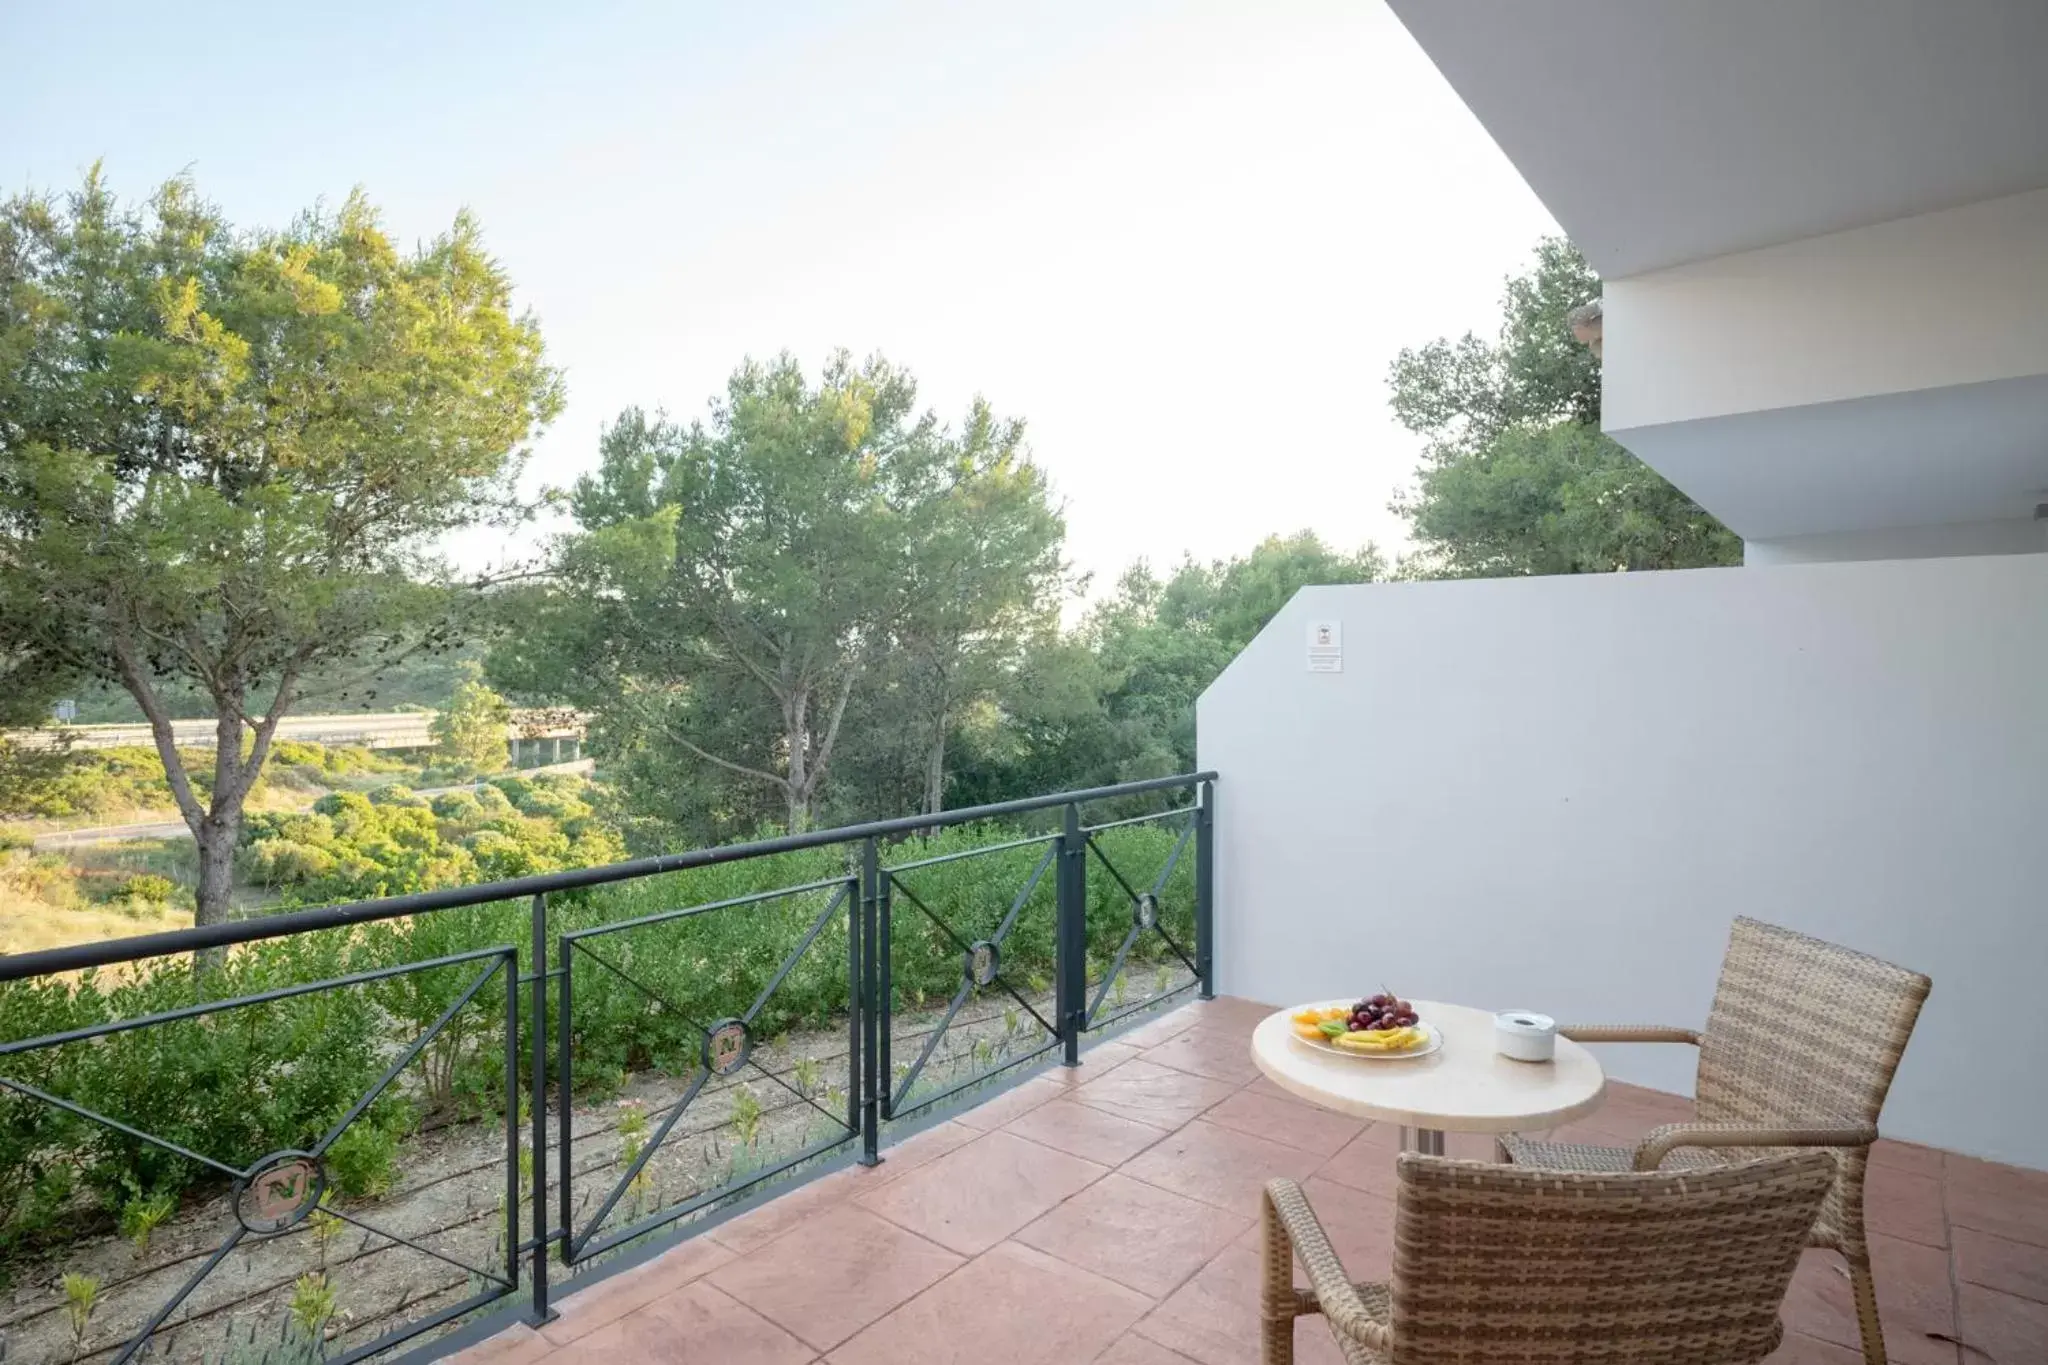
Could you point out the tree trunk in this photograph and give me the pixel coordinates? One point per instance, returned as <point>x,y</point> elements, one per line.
<point>216,836</point>
<point>935,773</point>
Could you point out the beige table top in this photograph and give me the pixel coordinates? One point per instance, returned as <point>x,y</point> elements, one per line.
<point>1462,1087</point>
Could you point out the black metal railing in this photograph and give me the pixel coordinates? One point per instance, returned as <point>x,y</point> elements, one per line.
<point>804,993</point>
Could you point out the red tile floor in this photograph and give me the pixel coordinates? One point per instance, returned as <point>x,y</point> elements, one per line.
<point>1108,1214</point>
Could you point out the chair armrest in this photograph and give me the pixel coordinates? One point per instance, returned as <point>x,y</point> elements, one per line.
<point>1335,1295</point>
<point>1661,1142</point>
<point>1628,1033</point>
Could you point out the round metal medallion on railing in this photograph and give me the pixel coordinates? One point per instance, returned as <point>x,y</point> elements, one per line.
<point>1145,910</point>
<point>727,1045</point>
<point>279,1190</point>
<point>984,960</point>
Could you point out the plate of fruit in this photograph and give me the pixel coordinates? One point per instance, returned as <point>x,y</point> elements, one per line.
<point>1380,1026</point>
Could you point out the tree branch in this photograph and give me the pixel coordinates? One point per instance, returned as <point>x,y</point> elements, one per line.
<point>159,727</point>
<point>780,783</point>
<point>817,773</point>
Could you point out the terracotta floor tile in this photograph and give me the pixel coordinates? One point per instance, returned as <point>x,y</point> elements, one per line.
<point>1013,1305</point>
<point>1132,1349</point>
<point>516,1345</point>
<point>1800,1349</point>
<point>1101,1058</point>
<point>2002,1264</point>
<point>1086,1131</point>
<point>1020,1099</point>
<point>1213,1319</point>
<point>1912,1300</point>
<point>1906,1156</point>
<point>1157,1031</point>
<point>1899,1203</point>
<point>696,1325</point>
<point>2003,1327</point>
<point>1367,1161</point>
<point>770,1220</point>
<point>970,1199</point>
<point>1285,1121</point>
<point>1219,1166</point>
<point>1134,1233</point>
<point>586,1310</point>
<point>2001,1200</point>
<point>1153,1094</point>
<point>901,1158</point>
<point>1231,1012</point>
<point>1203,1051</point>
<point>831,1275</point>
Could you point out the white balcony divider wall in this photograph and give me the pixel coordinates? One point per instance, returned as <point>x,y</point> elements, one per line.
<point>1555,793</point>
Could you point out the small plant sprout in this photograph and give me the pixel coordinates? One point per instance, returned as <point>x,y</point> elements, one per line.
<point>81,1296</point>
<point>746,1116</point>
<point>1121,988</point>
<point>143,1214</point>
<point>326,1226</point>
<point>805,1075</point>
<point>1162,979</point>
<point>1012,1021</point>
<point>312,1304</point>
<point>632,1132</point>
<point>983,1052</point>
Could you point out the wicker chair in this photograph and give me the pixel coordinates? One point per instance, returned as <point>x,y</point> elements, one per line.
<point>1798,1052</point>
<point>1495,1265</point>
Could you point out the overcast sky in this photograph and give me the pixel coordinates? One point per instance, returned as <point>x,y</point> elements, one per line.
<point>1182,240</point>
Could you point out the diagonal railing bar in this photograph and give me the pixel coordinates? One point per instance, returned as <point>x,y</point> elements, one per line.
<point>60,1102</point>
<point>960,996</point>
<point>789,963</point>
<point>407,1057</point>
<point>1173,858</point>
<point>393,1237</point>
<point>931,1045</point>
<point>419,1327</point>
<point>980,1078</point>
<point>79,1035</point>
<point>1159,927</point>
<point>1109,977</point>
<point>658,998</point>
<point>140,1341</point>
<point>962,944</point>
<point>639,1163</point>
<point>1017,906</point>
<point>705,1197</point>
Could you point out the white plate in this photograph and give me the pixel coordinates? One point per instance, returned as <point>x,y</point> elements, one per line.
<point>1428,1045</point>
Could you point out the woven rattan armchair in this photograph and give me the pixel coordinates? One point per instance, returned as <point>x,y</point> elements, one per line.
<point>1799,1051</point>
<point>1499,1265</point>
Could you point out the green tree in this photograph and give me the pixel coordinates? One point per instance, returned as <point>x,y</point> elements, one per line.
<point>983,570</point>
<point>1516,477</point>
<point>223,455</point>
<point>470,730</point>
<point>732,579</point>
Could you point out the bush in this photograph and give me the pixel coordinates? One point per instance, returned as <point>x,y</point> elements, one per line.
<point>395,794</point>
<point>147,887</point>
<point>458,807</point>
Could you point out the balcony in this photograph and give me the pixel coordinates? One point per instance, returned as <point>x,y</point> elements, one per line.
<point>1108,1213</point>
<point>865,1094</point>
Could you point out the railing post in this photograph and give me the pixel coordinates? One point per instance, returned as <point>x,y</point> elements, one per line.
<point>871,1003</point>
<point>1205,888</point>
<point>1070,939</point>
<point>537,1102</point>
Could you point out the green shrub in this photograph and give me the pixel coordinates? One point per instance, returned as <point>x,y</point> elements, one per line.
<point>457,807</point>
<point>363,1162</point>
<point>147,887</point>
<point>12,839</point>
<point>395,794</point>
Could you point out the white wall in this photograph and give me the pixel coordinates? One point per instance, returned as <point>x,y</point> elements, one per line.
<point>2018,536</point>
<point>1555,794</point>
<point>1941,299</point>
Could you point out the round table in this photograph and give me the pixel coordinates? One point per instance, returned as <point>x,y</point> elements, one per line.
<point>1464,1086</point>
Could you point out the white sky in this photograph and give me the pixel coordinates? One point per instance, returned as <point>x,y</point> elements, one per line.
<point>1182,240</point>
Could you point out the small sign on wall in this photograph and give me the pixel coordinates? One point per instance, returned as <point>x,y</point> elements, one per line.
<point>1326,646</point>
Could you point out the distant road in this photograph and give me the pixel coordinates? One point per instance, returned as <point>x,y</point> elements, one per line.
<point>176,829</point>
<point>372,730</point>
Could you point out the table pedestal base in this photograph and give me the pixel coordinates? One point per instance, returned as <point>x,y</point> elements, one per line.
<point>1428,1141</point>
